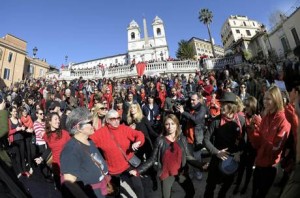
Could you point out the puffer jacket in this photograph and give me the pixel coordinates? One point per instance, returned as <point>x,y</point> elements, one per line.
<point>160,147</point>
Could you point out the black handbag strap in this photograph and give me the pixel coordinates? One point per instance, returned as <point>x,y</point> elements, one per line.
<point>118,145</point>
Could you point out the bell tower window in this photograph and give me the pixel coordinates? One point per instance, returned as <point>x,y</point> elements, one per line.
<point>132,35</point>
<point>158,31</point>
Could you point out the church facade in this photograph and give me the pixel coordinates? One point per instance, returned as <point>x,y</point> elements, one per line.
<point>140,49</point>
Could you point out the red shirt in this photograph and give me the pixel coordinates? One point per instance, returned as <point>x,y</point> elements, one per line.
<point>171,160</point>
<point>125,136</point>
<point>57,145</point>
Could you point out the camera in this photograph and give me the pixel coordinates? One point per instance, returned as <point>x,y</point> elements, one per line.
<point>179,101</point>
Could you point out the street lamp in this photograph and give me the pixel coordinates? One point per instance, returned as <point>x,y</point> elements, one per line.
<point>34,50</point>
<point>66,59</point>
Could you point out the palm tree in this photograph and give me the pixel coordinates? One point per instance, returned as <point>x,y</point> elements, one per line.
<point>185,50</point>
<point>206,16</point>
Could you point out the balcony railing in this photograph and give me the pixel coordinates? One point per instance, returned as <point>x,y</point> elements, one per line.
<point>156,68</point>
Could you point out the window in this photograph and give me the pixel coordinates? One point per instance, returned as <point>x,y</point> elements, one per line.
<point>6,74</point>
<point>248,32</point>
<point>1,52</point>
<point>132,35</point>
<point>253,24</point>
<point>285,44</point>
<point>234,23</point>
<point>237,31</point>
<point>244,23</point>
<point>10,57</point>
<point>294,32</point>
<point>116,61</point>
<point>41,72</point>
<point>30,69</point>
<point>158,31</point>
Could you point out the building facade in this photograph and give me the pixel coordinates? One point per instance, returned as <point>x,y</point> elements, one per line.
<point>285,36</point>
<point>203,48</point>
<point>35,68</point>
<point>15,65</point>
<point>140,49</point>
<point>12,58</point>
<point>238,27</point>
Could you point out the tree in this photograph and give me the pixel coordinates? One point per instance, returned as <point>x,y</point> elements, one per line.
<point>185,50</point>
<point>206,16</point>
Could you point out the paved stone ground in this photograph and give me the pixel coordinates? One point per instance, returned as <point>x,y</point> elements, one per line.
<point>39,187</point>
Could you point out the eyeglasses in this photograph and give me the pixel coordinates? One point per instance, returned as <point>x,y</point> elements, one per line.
<point>103,108</point>
<point>115,119</point>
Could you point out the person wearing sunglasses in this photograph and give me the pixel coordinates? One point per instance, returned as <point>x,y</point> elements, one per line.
<point>243,92</point>
<point>81,161</point>
<point>100,110</point>
<point>118,144</point>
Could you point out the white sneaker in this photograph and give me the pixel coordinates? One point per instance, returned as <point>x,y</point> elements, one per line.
<point>198,175</point>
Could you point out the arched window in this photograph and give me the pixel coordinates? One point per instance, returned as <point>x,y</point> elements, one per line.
<point>132,35</point>
<point>158,31</point>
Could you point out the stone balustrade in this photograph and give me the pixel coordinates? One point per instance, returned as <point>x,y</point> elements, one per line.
<point>155,68</point>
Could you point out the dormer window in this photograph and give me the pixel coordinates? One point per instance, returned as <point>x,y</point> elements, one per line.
<point>132,35</point>
<point>158,31</point>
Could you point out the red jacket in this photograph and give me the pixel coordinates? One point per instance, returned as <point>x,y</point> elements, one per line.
<point>291,116</point>
<point>125,136</point>
<point>270,138</point>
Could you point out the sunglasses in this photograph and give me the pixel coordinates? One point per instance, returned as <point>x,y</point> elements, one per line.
<point>103,108</point>
<point>115,119</point>
<point>87,122</point>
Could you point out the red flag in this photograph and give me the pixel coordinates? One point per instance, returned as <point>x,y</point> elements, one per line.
<point>140,68</point>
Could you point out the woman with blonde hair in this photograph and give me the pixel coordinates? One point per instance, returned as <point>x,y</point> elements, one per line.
<point>136,120</point>
<point>100,110</point>
<point>268,136</point>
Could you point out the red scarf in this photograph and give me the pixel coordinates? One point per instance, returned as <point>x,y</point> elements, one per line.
<point>224,120</point>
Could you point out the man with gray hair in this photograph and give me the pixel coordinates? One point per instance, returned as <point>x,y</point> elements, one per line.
<point>71,100</point>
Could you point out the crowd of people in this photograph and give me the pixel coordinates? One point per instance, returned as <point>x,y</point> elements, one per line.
<point>102,138</point>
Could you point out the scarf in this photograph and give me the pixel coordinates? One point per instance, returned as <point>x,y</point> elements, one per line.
<point>224,120</point>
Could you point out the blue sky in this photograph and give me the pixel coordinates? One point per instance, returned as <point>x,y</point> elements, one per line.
<point>91,29</point>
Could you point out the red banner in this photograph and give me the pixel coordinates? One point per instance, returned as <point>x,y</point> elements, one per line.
<point>140,68</point>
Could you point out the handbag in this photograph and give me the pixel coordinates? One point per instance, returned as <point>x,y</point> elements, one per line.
<point>134,161</point>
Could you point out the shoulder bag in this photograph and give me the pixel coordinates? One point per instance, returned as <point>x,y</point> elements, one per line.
<point>134,161</point>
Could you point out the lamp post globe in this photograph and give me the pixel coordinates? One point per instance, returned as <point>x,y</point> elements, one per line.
<point>34,50</point>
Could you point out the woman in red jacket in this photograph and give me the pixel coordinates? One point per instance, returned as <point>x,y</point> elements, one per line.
<point>268,136</point>
<point>118,144</point>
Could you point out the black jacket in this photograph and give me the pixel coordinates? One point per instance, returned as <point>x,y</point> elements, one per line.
<point>160,147</point>
<point>198,121</point>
